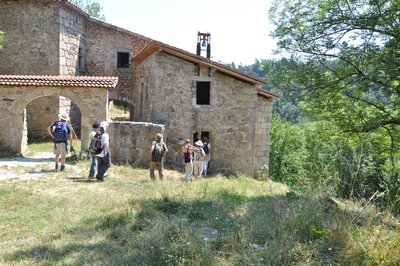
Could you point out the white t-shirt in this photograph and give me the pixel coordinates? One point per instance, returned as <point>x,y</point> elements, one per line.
<point>105,138</point>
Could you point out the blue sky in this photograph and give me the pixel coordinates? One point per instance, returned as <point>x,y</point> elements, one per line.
<point>239,29</point>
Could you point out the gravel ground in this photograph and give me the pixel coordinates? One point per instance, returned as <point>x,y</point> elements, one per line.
<point>26,167</point>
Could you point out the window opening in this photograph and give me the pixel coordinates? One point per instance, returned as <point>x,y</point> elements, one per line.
<point>203,93</point>
<point>123,60</point>
<point>120,110</point>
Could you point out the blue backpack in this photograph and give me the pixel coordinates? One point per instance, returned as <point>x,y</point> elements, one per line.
<point>60,132</point>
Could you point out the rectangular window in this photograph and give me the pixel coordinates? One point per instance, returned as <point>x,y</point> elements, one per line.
<point>203,93</point>
<point>123,60</point>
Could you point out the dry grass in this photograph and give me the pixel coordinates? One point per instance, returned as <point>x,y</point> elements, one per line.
<point>65,219</point>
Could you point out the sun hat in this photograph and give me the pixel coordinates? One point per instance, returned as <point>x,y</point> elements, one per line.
<point>96,125</point>
<point>64,117</point>
<point>199,143</point>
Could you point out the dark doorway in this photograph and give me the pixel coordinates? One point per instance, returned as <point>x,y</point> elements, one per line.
<point>200,135</point>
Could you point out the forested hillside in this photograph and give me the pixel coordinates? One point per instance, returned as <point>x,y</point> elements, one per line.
<point>336,125</point>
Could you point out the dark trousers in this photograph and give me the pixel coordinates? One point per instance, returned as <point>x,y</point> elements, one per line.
<point>103,163</point>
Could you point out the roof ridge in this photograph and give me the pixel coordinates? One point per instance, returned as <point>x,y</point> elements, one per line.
<point>59,81</point>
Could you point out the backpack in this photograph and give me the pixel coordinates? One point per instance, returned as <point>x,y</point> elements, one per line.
<point>95,144</point>
<point>60,132</point>
<point>205,148</point>
<point>158,152</point>
<point>186,156</point>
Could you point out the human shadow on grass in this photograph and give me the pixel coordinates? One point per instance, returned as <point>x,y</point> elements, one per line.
<point>165,230</point>
<point>80,179</point>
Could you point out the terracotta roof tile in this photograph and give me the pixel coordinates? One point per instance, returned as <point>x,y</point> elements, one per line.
<point>59,81</point>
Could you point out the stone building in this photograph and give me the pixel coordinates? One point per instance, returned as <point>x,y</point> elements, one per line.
<point>190,95</point>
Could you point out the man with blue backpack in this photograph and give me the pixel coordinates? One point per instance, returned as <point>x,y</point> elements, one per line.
<point>61,131</point>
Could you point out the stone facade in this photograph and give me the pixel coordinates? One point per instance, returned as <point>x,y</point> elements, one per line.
<point>237,119</point>
<point>72,27</point>
<point>50,37</point>
<point>31,43</point>
<point>103,42</point>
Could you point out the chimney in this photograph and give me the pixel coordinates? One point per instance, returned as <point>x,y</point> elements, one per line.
<point>203,44</point>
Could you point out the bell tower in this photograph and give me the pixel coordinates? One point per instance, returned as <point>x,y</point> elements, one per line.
<point>204,44</point>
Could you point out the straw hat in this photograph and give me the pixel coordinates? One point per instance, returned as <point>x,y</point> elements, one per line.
<point>64,117</point>
<point>199,143</point>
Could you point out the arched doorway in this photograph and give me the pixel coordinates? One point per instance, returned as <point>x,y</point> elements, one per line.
<point>41,112</point>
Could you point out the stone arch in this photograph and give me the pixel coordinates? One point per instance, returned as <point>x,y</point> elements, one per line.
<point>18,112</point>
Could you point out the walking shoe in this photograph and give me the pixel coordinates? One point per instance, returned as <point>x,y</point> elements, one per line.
<point>90,177</point>
<point>62,168</point>
<point>56,168</point>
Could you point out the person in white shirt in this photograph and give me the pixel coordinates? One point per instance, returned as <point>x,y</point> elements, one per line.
<point>103,158</point>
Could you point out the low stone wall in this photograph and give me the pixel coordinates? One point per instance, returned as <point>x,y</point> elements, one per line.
<point>130,141</point>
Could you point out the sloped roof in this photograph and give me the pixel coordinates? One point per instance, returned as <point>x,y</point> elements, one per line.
<point>154,46</point>
<point>162,47</point>
<point>58,81</point>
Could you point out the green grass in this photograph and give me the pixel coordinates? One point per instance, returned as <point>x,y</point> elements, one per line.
<point>47,146</point>
<point>63,219</point>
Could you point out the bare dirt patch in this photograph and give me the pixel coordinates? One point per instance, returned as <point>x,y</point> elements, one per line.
<point>26,167</point>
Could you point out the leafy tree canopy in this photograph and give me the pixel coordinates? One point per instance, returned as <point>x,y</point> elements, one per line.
<point>93,8</point>
<point>345,58</point>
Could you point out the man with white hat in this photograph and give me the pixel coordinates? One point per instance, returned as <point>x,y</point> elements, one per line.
<point>198,157</point>
<point>60,131</point>
<point>104,157</point>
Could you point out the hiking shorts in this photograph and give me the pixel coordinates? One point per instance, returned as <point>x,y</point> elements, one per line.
<point>60,148</point>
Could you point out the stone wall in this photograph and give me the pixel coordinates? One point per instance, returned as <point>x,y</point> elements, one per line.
<point>103,42</point>
<point>236,118</point>
<point>31,41</point>
<point>130,141</point>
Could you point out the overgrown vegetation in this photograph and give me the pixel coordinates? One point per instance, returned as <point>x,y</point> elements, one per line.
<point>336,127</point>
<point>62,218</point>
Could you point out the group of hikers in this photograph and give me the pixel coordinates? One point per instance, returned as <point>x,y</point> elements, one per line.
<point>196,157</point>
<point>61,131</point>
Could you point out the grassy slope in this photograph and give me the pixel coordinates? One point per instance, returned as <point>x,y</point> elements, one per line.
<point>61,218</point>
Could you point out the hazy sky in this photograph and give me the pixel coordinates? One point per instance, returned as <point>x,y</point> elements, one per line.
<point>239,29</point>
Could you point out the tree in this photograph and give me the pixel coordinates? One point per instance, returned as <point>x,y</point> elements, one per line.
<point>93,8</point>
<point>344,68</point>
<point>345,57</point>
